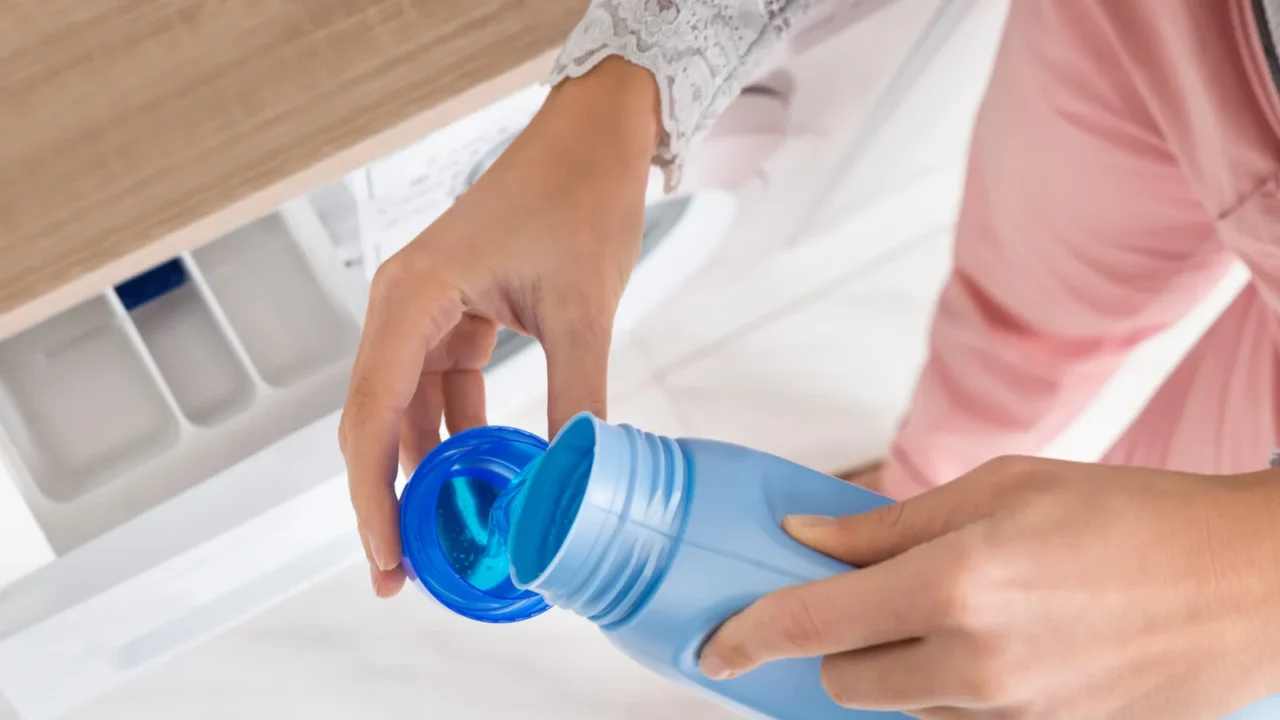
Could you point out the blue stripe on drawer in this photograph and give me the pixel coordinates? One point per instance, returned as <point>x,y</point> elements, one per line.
<point>154,283</point>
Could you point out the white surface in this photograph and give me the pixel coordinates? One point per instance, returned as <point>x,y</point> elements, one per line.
<point>96,616</point>
<point>352,656</point>
<point>935,37</point>
<point>23,547</point>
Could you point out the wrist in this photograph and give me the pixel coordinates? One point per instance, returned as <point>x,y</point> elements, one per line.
<point>609,118</point>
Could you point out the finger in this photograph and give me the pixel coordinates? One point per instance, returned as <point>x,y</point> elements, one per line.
<point>420,428</point>
<point>908,675</point>
<point>577,349</point>
<point>386,583</point>
<point>872,537</point>
<point>464,400</point>
<point>407,317</point>
<point>470,347</point>
<point>471,343</point>
<point>851,611</point>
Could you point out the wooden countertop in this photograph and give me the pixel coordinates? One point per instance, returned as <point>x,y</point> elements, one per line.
<point>130,130</point>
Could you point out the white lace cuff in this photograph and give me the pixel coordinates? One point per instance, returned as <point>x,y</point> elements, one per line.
<point>700,51</point>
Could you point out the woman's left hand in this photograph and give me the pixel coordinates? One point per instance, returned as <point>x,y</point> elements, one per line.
<point>1038,589</point>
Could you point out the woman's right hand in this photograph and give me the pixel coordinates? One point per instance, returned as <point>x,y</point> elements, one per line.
<point>543,244</point>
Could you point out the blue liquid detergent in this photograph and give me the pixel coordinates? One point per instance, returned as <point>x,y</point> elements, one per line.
<point>657,541</point>
<point>462,522</point>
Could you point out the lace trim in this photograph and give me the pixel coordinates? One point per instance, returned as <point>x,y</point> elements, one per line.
<point>701,52</point>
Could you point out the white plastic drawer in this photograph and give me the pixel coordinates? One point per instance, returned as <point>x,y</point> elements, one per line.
<point>117,405</point>
<point>146,436</point>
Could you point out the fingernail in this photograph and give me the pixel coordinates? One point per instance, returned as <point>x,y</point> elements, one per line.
<point>373,578</point>
<point>809,530</point>
<point>713,667</point>
<point>379,557</point>
<point>807,523</point>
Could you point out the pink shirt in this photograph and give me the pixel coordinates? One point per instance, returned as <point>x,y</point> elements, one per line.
<point>1126,151</point>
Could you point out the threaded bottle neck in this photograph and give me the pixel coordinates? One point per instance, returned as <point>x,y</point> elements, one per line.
<point>598,520</point>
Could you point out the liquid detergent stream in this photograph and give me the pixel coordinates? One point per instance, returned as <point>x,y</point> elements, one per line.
<point>473,520</point>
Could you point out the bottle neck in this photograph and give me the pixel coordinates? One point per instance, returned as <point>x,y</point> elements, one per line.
<point>597,522</point>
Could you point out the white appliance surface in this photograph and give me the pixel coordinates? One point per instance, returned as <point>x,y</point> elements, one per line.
<point>802,335</point>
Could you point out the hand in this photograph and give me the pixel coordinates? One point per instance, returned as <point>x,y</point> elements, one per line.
<point>543,244</point>
<point>1038,589</point>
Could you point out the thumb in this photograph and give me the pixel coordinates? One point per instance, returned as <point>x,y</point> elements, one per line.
<point>886,532</point>
<point>577,349</point>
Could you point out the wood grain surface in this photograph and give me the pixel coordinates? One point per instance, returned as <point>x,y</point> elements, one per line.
<point>133,129</point>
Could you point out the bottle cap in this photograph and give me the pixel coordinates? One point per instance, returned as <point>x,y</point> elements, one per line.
<point>454,519</point>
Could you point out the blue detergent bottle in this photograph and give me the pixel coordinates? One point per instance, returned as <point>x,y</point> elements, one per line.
<point>656,541</point>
